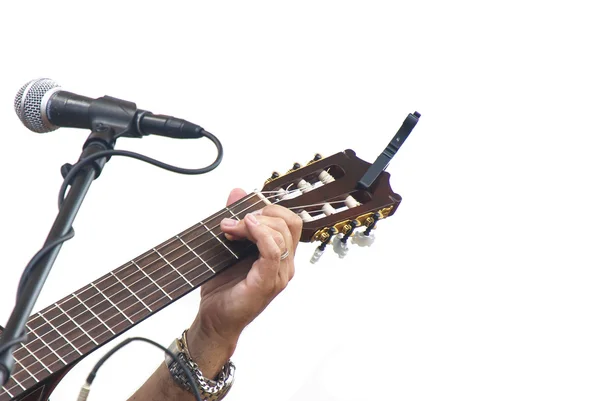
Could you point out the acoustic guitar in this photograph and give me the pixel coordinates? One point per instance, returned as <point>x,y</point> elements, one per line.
<point>324,193</point>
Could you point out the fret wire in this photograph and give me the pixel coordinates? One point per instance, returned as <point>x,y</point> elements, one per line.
<point>194,252</point>
<point>133,293</point>
<point>36,358</point>
<point>245,199</point>
<point>25,368</point>
<point>222,243</point>
<point>122,311</point>
<point>172,267</point>
<point>235,216</point>
<point>130,290</point>
<point>159,287</point>
<point>8,392</point>
<point>59,333</point>
<point>76,324</point>
<point>44,342</point>
<point>18,382</point>
<point>159,299</point>
<point>93,314</point>
<point>112,303</point>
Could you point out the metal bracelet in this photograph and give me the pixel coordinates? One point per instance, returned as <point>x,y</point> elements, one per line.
<point>210,390</point>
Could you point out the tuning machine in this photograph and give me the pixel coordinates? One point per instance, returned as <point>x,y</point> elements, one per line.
<point>340,241</point>
<point>367,237</point>
<point>325,239</point>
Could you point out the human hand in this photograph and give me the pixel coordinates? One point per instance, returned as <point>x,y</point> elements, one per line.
<point>235,297</point>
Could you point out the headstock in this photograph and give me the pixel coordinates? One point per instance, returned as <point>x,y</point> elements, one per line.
<point>324,193</point>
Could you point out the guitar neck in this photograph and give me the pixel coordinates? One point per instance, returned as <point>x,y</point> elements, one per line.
<point>65,332</point>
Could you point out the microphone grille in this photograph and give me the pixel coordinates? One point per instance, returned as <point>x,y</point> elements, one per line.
<point>30,104</point>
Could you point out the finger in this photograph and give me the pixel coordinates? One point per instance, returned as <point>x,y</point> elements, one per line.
<point>292,220</point>
<point>240,229</point>
<point>265,271</point>
<point>235,195</point>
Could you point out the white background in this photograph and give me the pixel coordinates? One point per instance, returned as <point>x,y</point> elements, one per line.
<point>483,286</point>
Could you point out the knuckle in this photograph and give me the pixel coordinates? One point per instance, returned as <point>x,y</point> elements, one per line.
<point>296,224</point>
<point>279,240</point>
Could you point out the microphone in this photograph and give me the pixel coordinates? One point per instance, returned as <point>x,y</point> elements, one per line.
<point>42,106</point>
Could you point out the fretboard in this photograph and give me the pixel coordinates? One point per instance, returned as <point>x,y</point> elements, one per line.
<point>75,326</point>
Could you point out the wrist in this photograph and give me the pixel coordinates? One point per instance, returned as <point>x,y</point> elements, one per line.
<point>209,350</point>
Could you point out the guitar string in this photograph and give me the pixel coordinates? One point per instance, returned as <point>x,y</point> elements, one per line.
<point>130,264</point>
<point>146,296</point>
<point>71,319</point>
<point>17,386</point>
<point>74,350</point>
<point>136,272</point>
<point>184,285</point>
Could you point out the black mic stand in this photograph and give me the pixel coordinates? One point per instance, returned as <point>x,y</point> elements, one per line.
<point>122,116</point>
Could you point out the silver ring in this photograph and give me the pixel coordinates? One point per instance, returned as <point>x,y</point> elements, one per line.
<point>284,255</point>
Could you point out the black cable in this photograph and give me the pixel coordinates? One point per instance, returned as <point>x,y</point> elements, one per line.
<point>88,160</point>
<point>42,252</point>
<point>13,343</point>
<point>92,375</point>
<point>75,169</point>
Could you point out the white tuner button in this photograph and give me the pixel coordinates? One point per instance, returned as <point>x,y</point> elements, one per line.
<point>340,247</point>
<point>361,239</point>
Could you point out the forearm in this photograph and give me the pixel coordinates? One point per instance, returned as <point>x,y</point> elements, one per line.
<point>209,353</point>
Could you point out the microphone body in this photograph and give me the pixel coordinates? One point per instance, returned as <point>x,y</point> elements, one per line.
<point>43,107</point>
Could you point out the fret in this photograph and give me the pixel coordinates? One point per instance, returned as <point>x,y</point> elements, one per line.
<point>173,267</point>
<point>254,202</point>
<point>165,275</point>
<point>150,278</point>
<point>61,334</point>
<point>49,355</point>
<point>235,216</point>
<point>96,301</point>
<point>88,328</point>
<point>76,324</point>
<point>22,376</point>
<point>131,291</point>
<point>194,253</point>
<point>24,367</point>
<point>219,239</point>
<point>13,377</point>
<point>93,314</point>
<point>215,257</point>
<point>112,303</point>
<point>39,361</point>
<point>182,259</point>
<point>51,337</point>
<point>6,390</point>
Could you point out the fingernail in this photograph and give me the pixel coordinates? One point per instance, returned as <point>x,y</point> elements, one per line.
<point>252,219</point>
<point>229,222</point>
<point>257,212</point>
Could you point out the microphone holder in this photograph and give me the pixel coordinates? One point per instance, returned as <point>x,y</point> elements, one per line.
<point>102,138</point>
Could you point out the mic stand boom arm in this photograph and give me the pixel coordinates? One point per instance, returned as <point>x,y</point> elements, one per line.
<point>101,139</point>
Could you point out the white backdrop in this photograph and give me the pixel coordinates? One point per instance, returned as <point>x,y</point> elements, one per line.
<point>483,286</point>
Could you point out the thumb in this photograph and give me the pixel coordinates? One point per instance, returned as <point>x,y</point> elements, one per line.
<point>235,195</point>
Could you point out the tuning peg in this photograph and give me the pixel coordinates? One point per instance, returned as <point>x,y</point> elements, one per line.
<point>316,158</point>
<point>361,239</point>
<point>340,246</point>
<point>273,176</point>
<point>366,238</point>
<point>317,255</point>
<point>295,167</point>
<point>325,238</point>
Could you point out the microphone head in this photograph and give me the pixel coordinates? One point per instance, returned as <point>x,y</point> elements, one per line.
<point>31,102</point>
